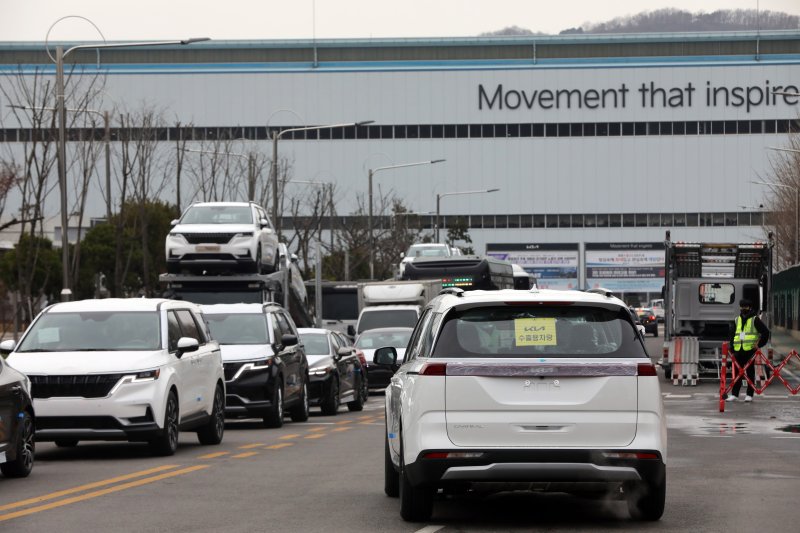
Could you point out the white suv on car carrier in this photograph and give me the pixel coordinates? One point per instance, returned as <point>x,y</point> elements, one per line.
<point>540,389</point>
<point>122,369</point>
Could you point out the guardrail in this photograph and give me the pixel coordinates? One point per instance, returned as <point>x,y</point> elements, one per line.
<point>766,373</point>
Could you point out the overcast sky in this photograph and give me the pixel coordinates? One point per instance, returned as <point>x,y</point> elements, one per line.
<point>29,20</point>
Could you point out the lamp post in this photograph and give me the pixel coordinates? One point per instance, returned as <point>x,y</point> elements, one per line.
<point>66,293</point>
<point>371,173</point>
<point>442,195</point>
<point>276,135</point>
<point>796,213</point>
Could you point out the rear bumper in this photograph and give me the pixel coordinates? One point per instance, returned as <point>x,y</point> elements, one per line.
<point>554,466</point>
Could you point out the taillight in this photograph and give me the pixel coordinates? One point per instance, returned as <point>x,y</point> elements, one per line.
<point>630,455</point>
<point>652,317</point>
<point>646,369</point>
<point>453,455</point>
<point>433,369</point>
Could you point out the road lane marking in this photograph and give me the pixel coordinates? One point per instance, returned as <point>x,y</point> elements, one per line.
<point>317,429</point>
<point>243,455</point>
<point>279,446</point>
<point>365,417</point>
<point>103,492</point>
<point>429,529</point>
<point>248,446</point>
<point>213,455</point>
<point>292,436</point>
<point>345,428</point>
<point>88,486</point>
<point>315,436</point>
<point>344,422</point>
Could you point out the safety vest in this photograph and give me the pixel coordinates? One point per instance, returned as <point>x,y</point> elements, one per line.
<point>750,338</point>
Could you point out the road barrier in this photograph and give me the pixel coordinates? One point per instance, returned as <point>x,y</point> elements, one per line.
<point>766,373</point>
<point>684,353</point>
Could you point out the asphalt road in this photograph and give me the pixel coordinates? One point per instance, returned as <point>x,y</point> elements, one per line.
<point>732,471</point>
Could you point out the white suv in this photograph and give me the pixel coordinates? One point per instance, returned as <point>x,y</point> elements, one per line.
<point>222,236</point>
<point>539,389</point>
<point>122,369</point>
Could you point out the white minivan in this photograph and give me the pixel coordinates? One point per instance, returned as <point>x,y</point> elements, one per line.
<point>524,390</point>
<point>133,369</point>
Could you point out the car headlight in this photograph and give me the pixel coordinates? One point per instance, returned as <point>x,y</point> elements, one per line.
<point>139,377</point>
<point>177,237</point>
<point>246,235</point>
<point>320,371</point>
<point>253,366</point>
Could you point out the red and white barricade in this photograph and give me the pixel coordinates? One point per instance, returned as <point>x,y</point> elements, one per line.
<point>766,373</point>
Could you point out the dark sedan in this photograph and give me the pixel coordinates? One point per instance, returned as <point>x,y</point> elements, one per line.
<point>335,372</point>
<point>16,423</point>
<point>648,318</point>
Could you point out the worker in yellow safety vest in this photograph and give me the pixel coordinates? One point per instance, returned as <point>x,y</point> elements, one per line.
<point>750,333</point>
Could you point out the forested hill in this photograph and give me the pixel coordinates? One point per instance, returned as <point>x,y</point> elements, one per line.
<point>671,20</point>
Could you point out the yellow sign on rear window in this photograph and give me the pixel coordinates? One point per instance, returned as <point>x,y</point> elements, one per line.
<point>535,331</point>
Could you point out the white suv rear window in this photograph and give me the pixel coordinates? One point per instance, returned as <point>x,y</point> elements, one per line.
<point>538,330</point>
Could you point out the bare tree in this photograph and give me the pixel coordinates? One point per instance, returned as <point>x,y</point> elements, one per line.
<point>782,202</point>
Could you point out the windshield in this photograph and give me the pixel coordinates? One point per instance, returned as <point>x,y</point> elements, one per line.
<point>387,319</point>
<point>94,331</point>
<point>533,331</point>
<point>377,339</point>
<point>218,214</point>
<point>239,328</point>
<point>427,251</point>
<point>315,343</point>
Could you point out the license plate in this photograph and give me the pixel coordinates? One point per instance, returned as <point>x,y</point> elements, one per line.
<point>208,248</point>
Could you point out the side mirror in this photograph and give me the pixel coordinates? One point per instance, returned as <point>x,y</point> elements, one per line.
<point>173,222</point>
<point>386,356</point>
<point>8,346</point>
<point>287,339</point>
<point>294,258</point>
<point>344,352</point>
<point>187,345</point>
<point>402,255</point>
<point>264,223</point>
<point>351,330</point>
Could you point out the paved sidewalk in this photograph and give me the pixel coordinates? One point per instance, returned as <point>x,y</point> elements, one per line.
<point>782,343</point>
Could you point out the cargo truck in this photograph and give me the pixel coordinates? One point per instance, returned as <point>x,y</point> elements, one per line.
<point>703,283</point>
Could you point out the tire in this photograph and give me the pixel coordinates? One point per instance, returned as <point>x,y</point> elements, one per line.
<point>166,443</point>
<point>391,479</point>
<point>330,405</point>
<point>22,465</point>
<point>299,412</point>
<point>274,418</point>
<point>358,403</point>
<point>211,433</point>
<point>259,268</point>
<point>416,503</point>
<point>66,443</point>
<point>667,372</point>
<point>646,498</point>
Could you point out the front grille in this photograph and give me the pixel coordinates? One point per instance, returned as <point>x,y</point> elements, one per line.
<point>91,386</point>
<point>231,369</point>
<point>76,422</point>
<point>208,238</point>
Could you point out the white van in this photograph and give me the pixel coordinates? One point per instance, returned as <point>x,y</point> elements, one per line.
<point>658,308</point>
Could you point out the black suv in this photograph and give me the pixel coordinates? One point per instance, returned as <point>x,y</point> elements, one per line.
<point>266,370</point>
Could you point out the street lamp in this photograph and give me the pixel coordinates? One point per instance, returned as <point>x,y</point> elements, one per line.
<point>796,213</point>
<point>66,293</point>
<point>442,195</point>
<point>274,167</point>
<point>106,141</point>
<point>372,172</point>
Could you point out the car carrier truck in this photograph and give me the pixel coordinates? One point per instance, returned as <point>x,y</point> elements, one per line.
<point>703,283</point>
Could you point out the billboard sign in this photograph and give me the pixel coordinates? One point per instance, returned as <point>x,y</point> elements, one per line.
<point>625,266</point>
<point>554,265</point>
